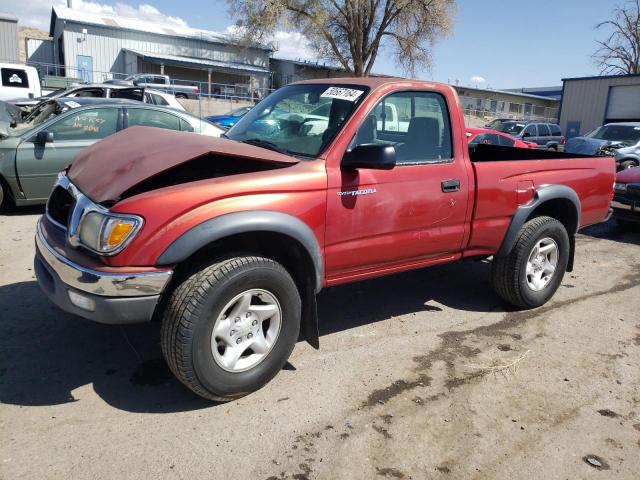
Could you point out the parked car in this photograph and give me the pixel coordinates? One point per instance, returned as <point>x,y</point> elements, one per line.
<point>159,82</point>
<point>32,153</point>
<point>229,119</point>
<point>165,99</point>
<point>626,202</point>
<point>493,124</point>
<point>493,137</point>
<point>621,140</point>
<point>544,135</point>
<point>227,241</point>
<point>97,90</point>
<point>19,81</point>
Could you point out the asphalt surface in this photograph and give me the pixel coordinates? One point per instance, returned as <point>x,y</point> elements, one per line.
<point>420,375</point>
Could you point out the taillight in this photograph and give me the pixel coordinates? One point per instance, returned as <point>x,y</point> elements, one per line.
<point>197,90</point>
<point>564,140</point>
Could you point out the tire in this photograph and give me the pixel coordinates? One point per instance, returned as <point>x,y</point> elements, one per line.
<point>202,301</point>
<point>627,224</point>
<point>3,196</point>
<point>180,95</point>
<point>627,164</point>
<point>510,275</point>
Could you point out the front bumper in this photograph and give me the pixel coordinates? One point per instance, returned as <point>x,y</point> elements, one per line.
<point>626,209</point>
<point>114,298</point>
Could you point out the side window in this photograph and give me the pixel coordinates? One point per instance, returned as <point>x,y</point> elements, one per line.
<point>417,124</point>
<point>153,118</point>
<point>92,93</point>
<point>506,141</point>
<point>530,131</point>
<point>158,100</point>
<point>185,126</point>
<point>482,138</point>
<point>14,77</point>
<point>543,130</point>
<point>91,124</point>
<point>555,130</point>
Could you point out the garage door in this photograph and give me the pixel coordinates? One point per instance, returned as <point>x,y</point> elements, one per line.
<point>624,103</point>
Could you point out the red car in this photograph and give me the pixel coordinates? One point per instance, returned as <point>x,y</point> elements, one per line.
<point>227,241</point>
<point>626,203</point>
<point>493,137</point>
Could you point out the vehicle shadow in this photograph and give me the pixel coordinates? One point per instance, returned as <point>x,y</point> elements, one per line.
<point>611,230</point>
<point>48,357</point>
<point>12,211</point>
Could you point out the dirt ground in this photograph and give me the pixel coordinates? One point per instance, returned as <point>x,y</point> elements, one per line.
<point>420,375</point>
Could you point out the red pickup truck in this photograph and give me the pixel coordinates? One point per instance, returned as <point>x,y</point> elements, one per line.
<point>227,241</point>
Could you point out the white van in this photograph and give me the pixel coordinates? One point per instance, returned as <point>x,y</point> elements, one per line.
<point>19,81</point>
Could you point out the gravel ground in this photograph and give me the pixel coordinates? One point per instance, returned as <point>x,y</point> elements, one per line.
<point>420,375</point>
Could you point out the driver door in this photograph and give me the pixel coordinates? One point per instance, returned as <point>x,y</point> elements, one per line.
<point>38,164</point>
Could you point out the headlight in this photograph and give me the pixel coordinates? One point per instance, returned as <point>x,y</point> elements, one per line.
<point>107,233</point>
<point>620,187</point>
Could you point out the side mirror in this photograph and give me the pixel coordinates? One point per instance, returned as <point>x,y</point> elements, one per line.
<point>371,155</point>
<point>43,137</point>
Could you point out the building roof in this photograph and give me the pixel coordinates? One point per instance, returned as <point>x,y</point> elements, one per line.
<point>8,17</point>
<point>113,21</point>
<point>197,62</point>
<point>506,92</point>
<point>600,77</point>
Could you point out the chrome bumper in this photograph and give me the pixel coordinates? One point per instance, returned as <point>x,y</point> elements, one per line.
<point>100,283</point>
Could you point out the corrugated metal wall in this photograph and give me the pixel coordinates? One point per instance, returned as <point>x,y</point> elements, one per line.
<point>40,51</point>
<point>105,46</point>
<point>585,100</point>
<point>9,51</point>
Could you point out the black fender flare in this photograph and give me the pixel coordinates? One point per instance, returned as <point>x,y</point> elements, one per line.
<point>230,224</point>
<point>523,212</point>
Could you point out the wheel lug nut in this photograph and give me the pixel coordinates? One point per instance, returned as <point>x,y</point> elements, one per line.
<point>232,332</point>
<point>239,339</point>
<point>248,314</point>
<point>249,335</point>
<point>254,323</point>
<point>237,320</point>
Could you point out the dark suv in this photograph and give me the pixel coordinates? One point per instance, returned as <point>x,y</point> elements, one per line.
<point>545,135</point>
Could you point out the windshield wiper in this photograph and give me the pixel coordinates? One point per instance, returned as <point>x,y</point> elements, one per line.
<point>258,142</point>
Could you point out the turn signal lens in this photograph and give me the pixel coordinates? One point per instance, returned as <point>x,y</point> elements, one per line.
<point>118,233</point>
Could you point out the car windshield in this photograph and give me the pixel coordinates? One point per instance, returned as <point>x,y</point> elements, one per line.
<point>56,93</point>
<point>627,134</point>
<point>511,128</point>
<point>43,112</point>
<point>285,122</point>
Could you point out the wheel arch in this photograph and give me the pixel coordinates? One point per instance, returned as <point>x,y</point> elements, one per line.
<point>557,201</point>
<point>276,235</point>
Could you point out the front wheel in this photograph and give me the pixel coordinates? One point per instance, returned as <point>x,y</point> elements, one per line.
<point>530,275</point>
<point>229,328</point>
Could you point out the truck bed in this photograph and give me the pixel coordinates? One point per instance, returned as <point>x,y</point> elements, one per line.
<point>507,177</point>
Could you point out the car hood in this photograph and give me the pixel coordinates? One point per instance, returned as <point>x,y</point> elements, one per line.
<point>217,118</point>
<point>629,175</point>
<point>586,146</point>
<point>113,166</point>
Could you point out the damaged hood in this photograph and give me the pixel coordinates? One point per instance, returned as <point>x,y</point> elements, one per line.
<point>116,164</point>
<point>587,146</point>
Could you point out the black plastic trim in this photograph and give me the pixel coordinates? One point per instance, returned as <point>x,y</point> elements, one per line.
<point>243,222</point>
<point>544,194</point>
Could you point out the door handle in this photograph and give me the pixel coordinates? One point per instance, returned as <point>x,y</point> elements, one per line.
<point>449,186</point>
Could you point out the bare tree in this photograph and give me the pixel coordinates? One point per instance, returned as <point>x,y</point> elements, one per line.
<point>353,32</point>
<point>620,52</point>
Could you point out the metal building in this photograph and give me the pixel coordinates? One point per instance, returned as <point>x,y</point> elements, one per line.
<point>9,51</point>
<point>97,47</point>
<point>589,102</point>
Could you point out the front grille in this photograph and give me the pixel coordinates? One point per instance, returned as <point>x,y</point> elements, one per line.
<point>60,205</point>
<point>633,189</point>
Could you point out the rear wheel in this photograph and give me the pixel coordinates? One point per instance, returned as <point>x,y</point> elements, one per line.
<point>230,327</point>
<point>627,164</point>
<point>530,275</point>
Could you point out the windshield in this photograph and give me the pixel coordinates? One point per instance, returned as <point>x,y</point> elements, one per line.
<point>627,134</point>
<point>56,93</point>
<point>285,121</point>
<point>511,128</point>
<point>43,112</point>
